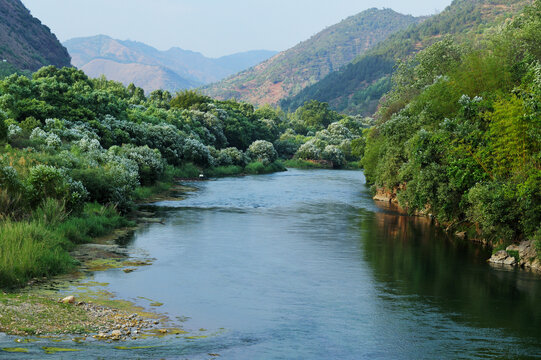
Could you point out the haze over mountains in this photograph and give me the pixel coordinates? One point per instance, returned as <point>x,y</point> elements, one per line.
<point>149,68</point>
<point>287,73</point>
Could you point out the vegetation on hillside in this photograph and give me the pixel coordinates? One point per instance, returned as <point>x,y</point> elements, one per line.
<point>358,87</point>
<point>290,71</point>
<point>459,135</point>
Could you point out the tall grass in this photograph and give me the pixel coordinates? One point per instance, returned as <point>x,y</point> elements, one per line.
<point>30,249</point>
<point>39,246</point>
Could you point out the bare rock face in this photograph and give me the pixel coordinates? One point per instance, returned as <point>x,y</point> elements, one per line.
<point>527,256</point>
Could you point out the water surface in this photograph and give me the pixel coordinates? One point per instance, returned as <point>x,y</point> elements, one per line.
<point>304,265</point>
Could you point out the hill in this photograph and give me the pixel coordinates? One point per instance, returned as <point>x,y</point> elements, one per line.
<point>177,68</point>
<point>357,88</point>
<point>25,42</point>
<point>148,77</point>
<point>289,72</point>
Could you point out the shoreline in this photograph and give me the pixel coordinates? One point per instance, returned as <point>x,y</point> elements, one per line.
<point>92,313</point>
<point>523,256</point>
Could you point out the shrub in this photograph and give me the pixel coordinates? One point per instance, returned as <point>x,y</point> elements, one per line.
<point>334,154</point>
<point>149,162</point>
<point>46,181</point>
<point>194,151</point>
<point>262,151</point>
<point>494,208</point>
<point>309,151</point>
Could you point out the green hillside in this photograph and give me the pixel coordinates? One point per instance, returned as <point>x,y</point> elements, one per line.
<point>25,43</point>
<point>289,72</point>
<point>459,135</point>
<point>357,88</point>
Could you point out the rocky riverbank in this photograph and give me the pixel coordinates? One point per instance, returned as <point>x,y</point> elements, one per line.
<point>524,255</point>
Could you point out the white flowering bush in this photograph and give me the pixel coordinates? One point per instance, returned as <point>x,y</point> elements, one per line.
<point>309,150</point>
<point>149,161</point>
<point>262,151</point>
<point>9,178</point>
<point>234,156</point>
<point>338,130</point>
<point>38,135</point>
<point>334,154</point>
<point>89,145</point>
<point>53,141</point>
<point>14,131</point>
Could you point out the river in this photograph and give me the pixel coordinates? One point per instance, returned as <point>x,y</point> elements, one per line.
<point>304,265</point>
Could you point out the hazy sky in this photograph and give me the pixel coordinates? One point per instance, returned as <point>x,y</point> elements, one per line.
<point>213,27</point>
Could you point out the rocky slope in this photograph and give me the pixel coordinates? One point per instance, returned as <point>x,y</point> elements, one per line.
<point>25,42</point>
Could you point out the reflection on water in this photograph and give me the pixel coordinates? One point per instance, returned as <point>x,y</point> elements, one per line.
<point>304,265</point>
<point>411,256</point>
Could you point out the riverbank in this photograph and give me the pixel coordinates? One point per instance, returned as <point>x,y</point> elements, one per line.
<point>86,244</point>
<point>524,255</point>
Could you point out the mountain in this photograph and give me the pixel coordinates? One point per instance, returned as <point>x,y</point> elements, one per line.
<point>25,42</point>
<point>172,69</point>
<point>150,77</point>
<point>289,72</point>
<point>357,87</point>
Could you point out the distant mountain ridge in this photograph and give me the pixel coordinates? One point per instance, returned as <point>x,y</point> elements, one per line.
<point>287,73</point>
<point>25,42</point>
<point>174,69</point>
<point>358,87</point>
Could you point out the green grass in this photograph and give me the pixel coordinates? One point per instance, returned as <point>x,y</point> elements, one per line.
<point>186,171</point>
<point>222,171</point>
<point>257,167</point>
<point>302,164</point>
<point>145,192</point>
<point>29,249</point>
<point>96,220</point>
<point>39,246</point>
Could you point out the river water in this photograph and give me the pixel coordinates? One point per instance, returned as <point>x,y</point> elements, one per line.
<point>304,265</point>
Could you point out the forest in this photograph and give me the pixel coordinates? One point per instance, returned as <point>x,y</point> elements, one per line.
<point>459,134</point>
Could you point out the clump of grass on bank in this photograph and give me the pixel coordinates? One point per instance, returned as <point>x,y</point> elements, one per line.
<point>303,164</point>
<point>29,249</point>
<point>39,246</point>
<point>222,171</point>
<point>258,167</point>
<point>95,220</point>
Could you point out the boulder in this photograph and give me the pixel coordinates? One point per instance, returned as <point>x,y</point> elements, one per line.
<point>499,257</point>
<point>68,300</point>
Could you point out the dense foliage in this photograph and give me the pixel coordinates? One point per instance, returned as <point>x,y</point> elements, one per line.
<point>459,135</point>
